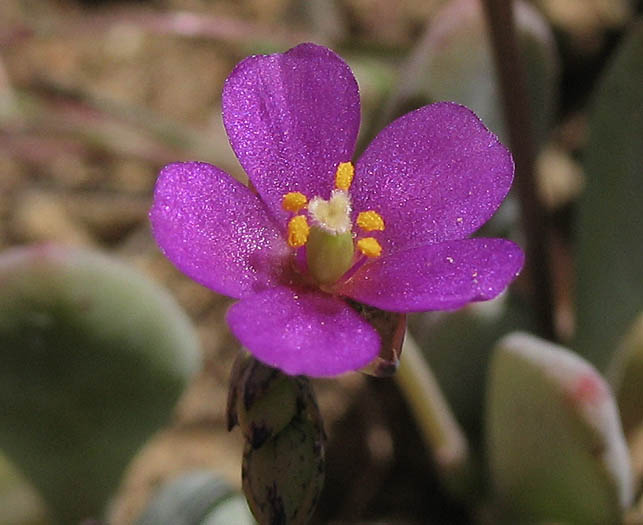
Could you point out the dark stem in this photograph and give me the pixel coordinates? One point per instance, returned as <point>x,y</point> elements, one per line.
<point>511,76</point>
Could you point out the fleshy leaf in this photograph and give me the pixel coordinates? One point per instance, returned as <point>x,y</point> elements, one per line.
<point>19,501</point>
<point>232,510</point>
<point>94,357</point>
<point>454,61</point>
<point>555,445</point>
<point>610,226</point>
<point>458,345</point>
<point>194,498</point>
<point>626,375</point>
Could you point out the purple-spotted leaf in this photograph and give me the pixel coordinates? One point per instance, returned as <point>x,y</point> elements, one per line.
<point>94,357</point>
<point>555,446</point>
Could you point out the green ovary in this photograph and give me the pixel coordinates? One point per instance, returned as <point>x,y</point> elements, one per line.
<point>329,255</point>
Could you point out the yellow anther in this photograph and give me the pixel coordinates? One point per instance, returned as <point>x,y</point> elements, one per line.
<point>369,247</point>
<point>294,201</point>
<point>298,231</point>
<point>370,221</point>
<point>344,175</point>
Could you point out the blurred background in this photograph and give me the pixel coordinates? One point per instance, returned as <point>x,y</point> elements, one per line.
<point>95,96</point>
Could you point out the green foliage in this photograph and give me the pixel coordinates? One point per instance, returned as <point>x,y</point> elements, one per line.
<point>19,501</point>
<point>195,498</point>
<point>94,357</point>
<point>610,225</point>
<point>454,61</point>
<point>458,346</point>
<point>556,451</point>
<point>626,375</point>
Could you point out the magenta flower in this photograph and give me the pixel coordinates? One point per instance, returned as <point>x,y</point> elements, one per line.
<point>390,232</point>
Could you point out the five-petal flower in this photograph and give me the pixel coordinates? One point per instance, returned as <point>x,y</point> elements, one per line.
<point>390,232</point>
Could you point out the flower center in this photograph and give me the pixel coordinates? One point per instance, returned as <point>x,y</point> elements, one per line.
<point>330,242</point>
<point>333,215</point>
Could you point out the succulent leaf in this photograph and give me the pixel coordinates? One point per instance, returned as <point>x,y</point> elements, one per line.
<point>94,357</point>
<point>454,61</point>
<point>626,375</point>
<point>195,498</point>
<point>609,285</point>
<point>555,445</point>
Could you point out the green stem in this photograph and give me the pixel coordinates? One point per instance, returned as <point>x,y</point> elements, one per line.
<point>511,76</point>
<point>439,429</point>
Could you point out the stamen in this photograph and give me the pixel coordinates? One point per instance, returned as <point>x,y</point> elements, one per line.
<point>298,231</point>
<point>294,201</point>
<point>369,247</point>
<point>370,221</point>
<point>344,175</point>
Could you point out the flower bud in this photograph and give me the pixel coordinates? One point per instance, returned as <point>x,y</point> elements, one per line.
<point>282,479</point>
<point>283,461</point>
<point>268,403</point>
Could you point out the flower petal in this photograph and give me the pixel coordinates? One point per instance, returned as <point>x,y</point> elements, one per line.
<point>215,230</point>
<point>291,118</point>
<point>434,174</point>
<point>303,332</point>
<point>440,276</point>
